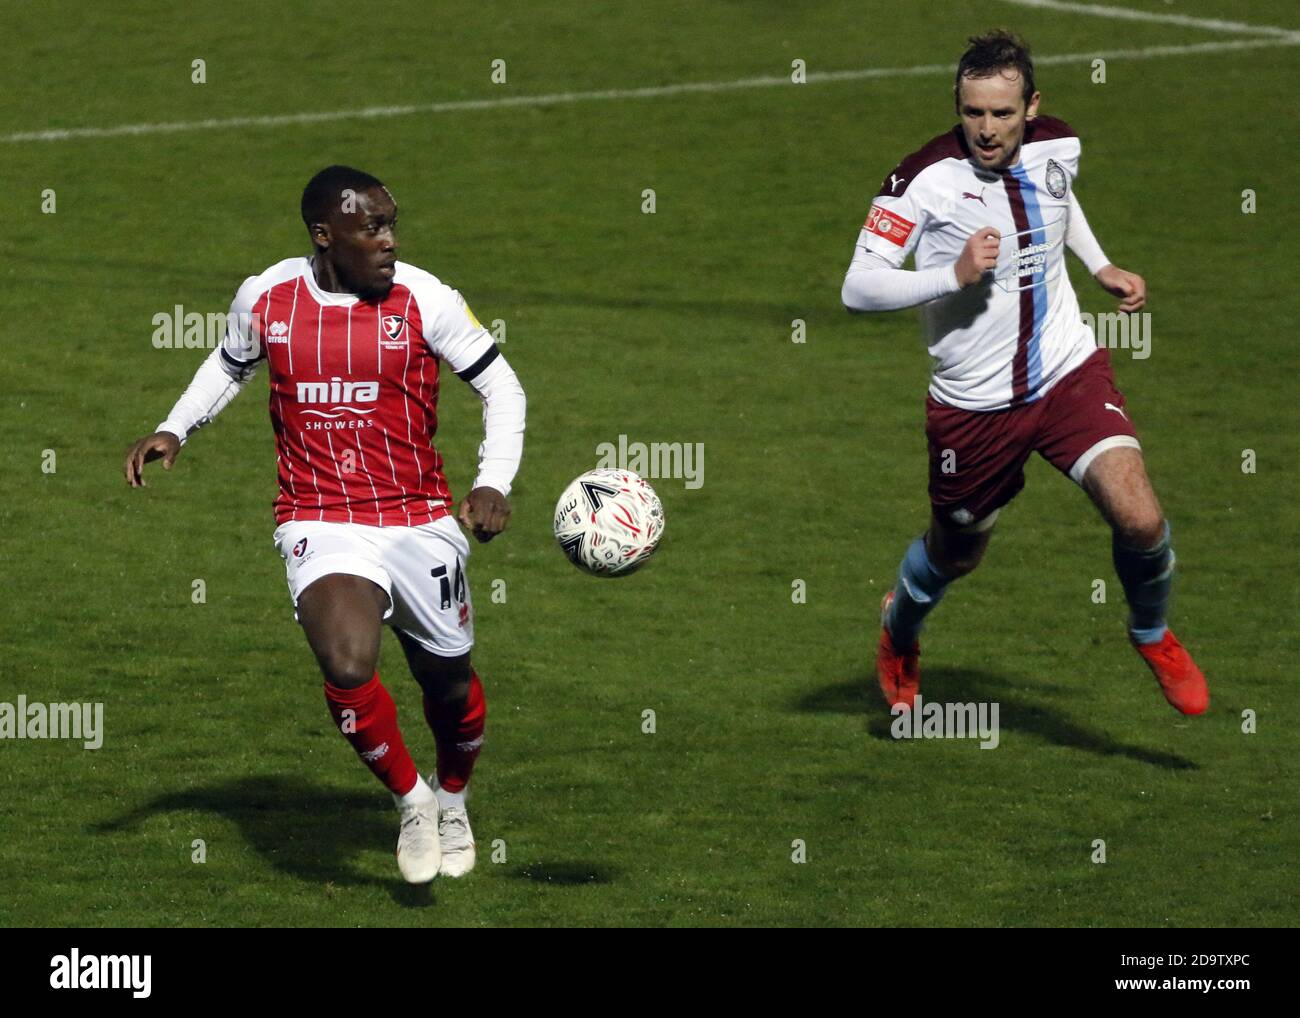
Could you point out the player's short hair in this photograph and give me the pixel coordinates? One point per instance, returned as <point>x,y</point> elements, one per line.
<point>324,192</point>
<point>992,52</point>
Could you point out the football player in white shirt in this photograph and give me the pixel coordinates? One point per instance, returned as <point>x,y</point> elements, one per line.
<point>987,210</point>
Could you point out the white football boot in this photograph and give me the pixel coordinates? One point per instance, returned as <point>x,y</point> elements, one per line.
<point>419,851</point>
<point>457,842</point>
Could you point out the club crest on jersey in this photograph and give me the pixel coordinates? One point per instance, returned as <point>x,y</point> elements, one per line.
<point>394,327</point>
<point>1056,180</point>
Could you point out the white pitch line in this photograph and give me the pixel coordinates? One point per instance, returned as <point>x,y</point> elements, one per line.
<point>1186,21</point>
<point>649,92</point>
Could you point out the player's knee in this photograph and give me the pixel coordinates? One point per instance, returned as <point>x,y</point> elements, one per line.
<point>1140,530</point>
<point>957,556</point>
<point>961,564</point>
<point>445,681</point>
<point>451,696</point>
<point>347,664</point>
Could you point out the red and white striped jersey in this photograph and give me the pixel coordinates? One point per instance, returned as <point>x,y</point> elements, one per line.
<point>354,389</point>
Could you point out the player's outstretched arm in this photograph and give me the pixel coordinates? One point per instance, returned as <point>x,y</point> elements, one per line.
<point>1128,286</point>
<point>873,284</point>
<point>215,384</point>
<point>160,445</point>
<point>486,510</point>
<point>455,336</point>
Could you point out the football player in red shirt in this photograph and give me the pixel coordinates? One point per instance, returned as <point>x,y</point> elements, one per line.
<point>354,340</point>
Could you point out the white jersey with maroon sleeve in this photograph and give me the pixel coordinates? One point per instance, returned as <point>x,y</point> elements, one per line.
<point>1006,340</point>
<point>354,390</point>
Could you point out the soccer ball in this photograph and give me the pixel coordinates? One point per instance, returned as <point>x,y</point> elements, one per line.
<point>609,521</point>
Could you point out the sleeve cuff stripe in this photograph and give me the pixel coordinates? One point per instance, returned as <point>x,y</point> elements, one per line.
<point>476,369</point>
<point>235,362</point>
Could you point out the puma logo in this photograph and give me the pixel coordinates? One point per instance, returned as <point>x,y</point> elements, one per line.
<point>976,197</point>
<point>894,182</point>
<point>1118,410</point>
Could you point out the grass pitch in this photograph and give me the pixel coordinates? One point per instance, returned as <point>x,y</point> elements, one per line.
<point>671,327</point>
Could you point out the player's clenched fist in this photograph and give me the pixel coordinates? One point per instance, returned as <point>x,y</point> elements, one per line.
<point>160,445</point>
<point>484,511</point>
<point>980,255</point>
<point>1128,286</point>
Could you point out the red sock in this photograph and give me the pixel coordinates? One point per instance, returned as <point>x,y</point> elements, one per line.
<point>372,730</point>
<point>459,735</point>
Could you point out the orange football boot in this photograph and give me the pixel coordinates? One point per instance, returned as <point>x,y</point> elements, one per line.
<point>899,674</point>
<point>1180,680</point>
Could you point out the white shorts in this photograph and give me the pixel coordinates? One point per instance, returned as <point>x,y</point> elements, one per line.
<point>421,569</point>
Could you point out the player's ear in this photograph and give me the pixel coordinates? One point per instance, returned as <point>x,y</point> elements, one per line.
<point>320,234</point>
<point>1031,110</point>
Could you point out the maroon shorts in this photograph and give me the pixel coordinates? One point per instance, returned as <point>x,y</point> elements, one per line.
<point>977,458</point>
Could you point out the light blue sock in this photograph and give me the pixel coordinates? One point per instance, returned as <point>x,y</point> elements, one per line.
<point>919,588</point>
<point>1147,577</point>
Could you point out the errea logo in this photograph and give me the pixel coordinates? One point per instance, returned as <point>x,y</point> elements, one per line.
<point>278,333</point>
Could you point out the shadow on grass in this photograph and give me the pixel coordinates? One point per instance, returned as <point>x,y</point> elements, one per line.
<point>304,830</point>
<point>565,873</point>
<point>861,695</point>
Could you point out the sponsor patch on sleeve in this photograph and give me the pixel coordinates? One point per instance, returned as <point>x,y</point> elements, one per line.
<point>889,225</point>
